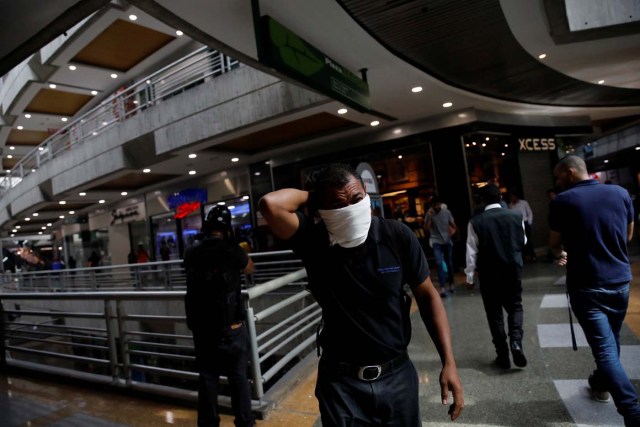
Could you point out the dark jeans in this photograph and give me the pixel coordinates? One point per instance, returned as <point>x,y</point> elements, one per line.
<point>443,252</point>
<point>601,312</point>
<point>528,248</point>
<point>346,401</point>
<point>501,287</point>
<point>226,354</point>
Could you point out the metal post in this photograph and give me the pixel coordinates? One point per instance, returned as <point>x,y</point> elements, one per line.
<point>3,344</point>
<point>253,355</point>
<point>124,346</point>
<point>111,339</point>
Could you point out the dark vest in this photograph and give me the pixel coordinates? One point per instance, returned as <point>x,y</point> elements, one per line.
<point>500,238</point>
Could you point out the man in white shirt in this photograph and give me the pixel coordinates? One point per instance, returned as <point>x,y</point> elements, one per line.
<point>495,238</point>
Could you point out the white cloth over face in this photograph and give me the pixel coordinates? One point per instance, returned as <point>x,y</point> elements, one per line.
<point>349,226</point>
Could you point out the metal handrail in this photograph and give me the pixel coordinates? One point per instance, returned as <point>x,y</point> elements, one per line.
<point>170,80</point>
<point>125,339</point>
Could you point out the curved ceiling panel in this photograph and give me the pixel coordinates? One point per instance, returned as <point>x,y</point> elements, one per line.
<point>469,45</point>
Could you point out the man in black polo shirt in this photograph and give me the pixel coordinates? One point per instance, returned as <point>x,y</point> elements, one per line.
<point>594,222</point>
<point>357,265</point>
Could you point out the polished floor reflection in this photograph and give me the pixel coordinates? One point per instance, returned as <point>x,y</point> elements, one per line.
<point>550,391</point>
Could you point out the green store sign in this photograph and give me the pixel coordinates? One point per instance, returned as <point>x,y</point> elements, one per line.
<point>289,54</point>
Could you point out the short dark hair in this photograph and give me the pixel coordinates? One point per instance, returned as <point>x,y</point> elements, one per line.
<point>336,175</point>
<point>573,162</point>
<point>435,200</point>
<point>490,194</point>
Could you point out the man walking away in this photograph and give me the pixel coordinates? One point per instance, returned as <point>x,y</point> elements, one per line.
<point>594,222</point>
<point>495,240</point>
<point>441,225</point>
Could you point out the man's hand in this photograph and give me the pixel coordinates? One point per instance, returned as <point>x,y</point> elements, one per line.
<point>450,382</point>
<point>561,260</point>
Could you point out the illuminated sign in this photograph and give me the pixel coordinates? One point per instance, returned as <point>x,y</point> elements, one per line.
<point>187,201</point>
<point>537,144</point>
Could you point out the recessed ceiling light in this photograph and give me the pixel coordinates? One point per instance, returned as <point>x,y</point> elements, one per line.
<point>17,227</point>
<point>9,156</point>
<point>40,148</point>
<point>193,155</point>
<point>62,202</point>
<point>502,154</point>
<point>72,212</point>
<point>484,144</point>
<point>61,217</point>
<point>192,172</point>
<point>267,162</point>
<point>231,207</point>
<point>12,235</point>
<point>114,76</point>
<point>49,224</point>
<point>105,123</point>
<point>606,161</point>
<point>487,138</point>
<point>34,214</point>
<point>94,92</point>
<point>542,55</point>
<point>235,160</point>
<point>462,115</point>
<point>27,116</point>
<point>33,170</point>
<point>179,33</point>
<point>12,147</point>
<point>14,231</point>
<point>257,173</point>
<point>400,156</point>
<point>43,227</point>
<point>124,193</point>
<point>39,232</point>
<point>27,219</point>
<point>506,145</point>
<point>447,104</point>
<point>343,111</point>
<point>52,86</point>
<point>147,170</point>
<point>638,148</point>
<point>375,123</point>
<point>221,203</point>
<point>64,119</point>
<point>473,143</point>
<point>416,89</point>
<point>397,131</point>
<point>20,127</point>
<point>600,82</point>
<point>73,67</point>
<point>245,197</point>
<point>94,133</point>
<point>466,145</point>
<point>82,194</point>
<point>101,201</point>
<point>133,17</point>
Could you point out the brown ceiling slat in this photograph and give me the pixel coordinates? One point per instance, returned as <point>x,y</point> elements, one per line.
<point>132,181</point>
<point>75,206</point>
<point>8,163</point>
<point>26,137</point>
<point>50,101</point>
<point>287,133</point>
<point>121,46</point>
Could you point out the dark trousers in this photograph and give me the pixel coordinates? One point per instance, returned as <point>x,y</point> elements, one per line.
<point>224,354</point>
<point>346,401</point>
<point>528,248</point>
<point>501,288</point>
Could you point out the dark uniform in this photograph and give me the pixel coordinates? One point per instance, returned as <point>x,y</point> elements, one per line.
<point>215,316</point>
<point>365,376</point>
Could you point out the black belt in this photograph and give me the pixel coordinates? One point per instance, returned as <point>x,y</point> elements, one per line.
<point>367,372</point>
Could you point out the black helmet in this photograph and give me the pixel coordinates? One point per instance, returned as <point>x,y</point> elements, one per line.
<point>218,218</point>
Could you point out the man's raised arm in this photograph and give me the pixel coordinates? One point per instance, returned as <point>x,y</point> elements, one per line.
<point>279,208</point>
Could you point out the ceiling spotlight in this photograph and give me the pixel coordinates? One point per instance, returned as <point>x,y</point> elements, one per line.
<point>600,82</point>
<point>193,155</point>
<point>447,104</point>
<point>133,17</point>
<point>72,212</point>
<point>61,217</point>
<point>12,235</point>
<point>40,148</point>
<point>487,138</point>
<point>342,111</point>
<point>179,33</point>
<point>20,127</point>
<point>33,170</point>
<point>27,219</point>
<point>466,145</point>
<point>473,143</point>
<point>257,173</point>
<point>34,214</point>
<point>94,133</point>
<point>245,197</point>
<point>400,156</point>
<point>101,201</point>
<point>606,161</point>
<point>52,86</point>
<point>192,172</point>
<point>73,67</point>
<point>506,145</point>
<point>124,193</point>
<point>64,119</point>
<point>14,231</point>
<point>542,55</point>
<point>638,148</point>
<point>62,202</point>
<point>82,194</point>
<point>49,224</point>
<point>43,227</point>
<point>9,156</point>
<point>27,116</point>
<point>502,154</point>
<point>11,147</point>
<point>39,232</point>
<point>462,115</point>
<point>146,170</point>
<point>221,203</point>
<point>375,123</point>
<point>397,131</point>
<point>484,144</point>
<point>94,92</point>
<point>416,89</point>
<point>17,227</point>
<point>114,76</point>
<point>235,160</point>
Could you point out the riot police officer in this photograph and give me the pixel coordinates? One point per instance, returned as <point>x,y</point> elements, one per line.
<point>215,315</point>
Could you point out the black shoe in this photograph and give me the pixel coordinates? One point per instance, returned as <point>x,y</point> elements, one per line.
<point>518,354</point>
<point>598,392</point>
<point>503,362</point>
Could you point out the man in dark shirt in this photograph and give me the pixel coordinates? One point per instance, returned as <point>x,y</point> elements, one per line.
<point>495,239</point>
<point>215,316</point>
<point>357,265</point>
<point>594,222</point>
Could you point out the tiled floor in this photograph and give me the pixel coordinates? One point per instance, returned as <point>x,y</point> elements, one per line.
<point>550,391</point>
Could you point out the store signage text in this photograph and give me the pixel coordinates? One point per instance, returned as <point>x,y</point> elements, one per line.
<point>537,144</point>
<point>127,214</point>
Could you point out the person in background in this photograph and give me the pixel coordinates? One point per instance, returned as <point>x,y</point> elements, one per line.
<point>522,206</point>
<point>591,224</point>
<point>215,315</point>
<point>495,238</point>
<point>442,226</point>
<point>142,255</point>
<point>94,259</point>
<point>357,266</point>
<point>165,252</point>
